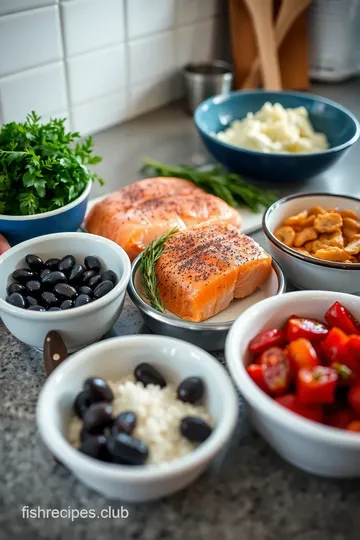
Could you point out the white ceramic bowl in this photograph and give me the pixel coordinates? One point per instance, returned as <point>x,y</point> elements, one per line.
<point>313,447</point>
<point>112,359</point>
<point>303,271</point>
<point>79,326</point>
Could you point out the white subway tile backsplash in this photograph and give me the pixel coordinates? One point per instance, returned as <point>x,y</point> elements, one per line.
<point>12,6</point>
<point>198,42</point>
<point>95,74</point>
<point>29,39</point>
<point>148,17</point>
<point>151,57</point>
<point>100,113</point>
<point>151,94</point>
<point>46,117</point>
<point>190,11</point>
<point>42,89</point>
<point>89,25</point>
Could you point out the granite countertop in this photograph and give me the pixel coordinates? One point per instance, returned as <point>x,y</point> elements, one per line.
<point>249,493</point>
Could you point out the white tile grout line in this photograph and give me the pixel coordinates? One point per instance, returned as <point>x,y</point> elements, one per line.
<point>67,82</point>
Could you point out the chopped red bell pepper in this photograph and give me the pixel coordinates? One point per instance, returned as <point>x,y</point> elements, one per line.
<point>310,329</point>
<point>301,354</point>
<point>256,373</point>
<point>291,402</point>
<point>354,426</point>
<point>354,346</point>
<point>354,397</point>
<point>337,315</point>
<point>336,349</point>
<point>341,418</point>
<point>317,385</point>
<point>276,370</point>
<point>268,338</point>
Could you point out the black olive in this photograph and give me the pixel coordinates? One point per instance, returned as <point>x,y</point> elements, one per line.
<point>125,422</point>
<point>34,263</point>
<point>65,291</point>
<point>44,273</point>
<point>95,446</point>
<point>103,288</point>
<point>82,403</point>
<point>87,276</point>
<point>98,389</point>
<point>67,304</point>
<point>82,300</point>
<point>190,390</point>
<point>195,429</point>
<point>49,299</point>
<point>109,275</point>
<point>125,449</point>
<point>22,275</point>
<point>16,287</point>
<point>54,308</point>
<point>50,280</point>
<point>52,264</point>
<point>66,264</point>
<point>98,417</point>
<point>36,308</point>
<point>31,301</point>
<point>84,289</point>
<point>33,287</point>
<point>92,263</point>
<point>76,274</point>
<point>94,281</point>
<point>147,374</point>
<point>17,299</point>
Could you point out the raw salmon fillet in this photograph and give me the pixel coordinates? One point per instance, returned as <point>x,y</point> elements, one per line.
<point>135,215</point>
<point>204,268</point>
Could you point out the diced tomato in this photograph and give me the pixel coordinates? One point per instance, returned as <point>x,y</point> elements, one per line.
<point>354,397</point>
<point>291,402</point>
<point>339,316</point>
<point>336,349</point>
<point>268,338</point>
<point>341,418</point>
<point>316,385</point>
<point>276,370</point>
<point>310,329</point>
<point>354,426</point>
<point>301,354</point>
<point>256,373</point>
<point>354,346</point>
<point>345,374</point>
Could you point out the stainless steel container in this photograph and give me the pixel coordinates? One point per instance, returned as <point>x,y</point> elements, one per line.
<point>206,79</point>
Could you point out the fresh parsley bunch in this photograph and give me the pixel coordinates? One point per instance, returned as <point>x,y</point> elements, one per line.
<point>41,168</point>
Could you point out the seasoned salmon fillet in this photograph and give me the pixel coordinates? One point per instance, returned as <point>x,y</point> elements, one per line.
<point>204,268</point>
<point>135,215</point>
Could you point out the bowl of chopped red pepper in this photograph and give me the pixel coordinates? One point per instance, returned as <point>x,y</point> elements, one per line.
<point>296,360</point>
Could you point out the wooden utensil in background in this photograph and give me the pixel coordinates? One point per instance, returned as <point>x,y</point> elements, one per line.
<point>288,13</point>
<point>262,16</point>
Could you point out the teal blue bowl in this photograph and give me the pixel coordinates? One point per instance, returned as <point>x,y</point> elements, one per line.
<point>340,126</point>
<point>17,229</point>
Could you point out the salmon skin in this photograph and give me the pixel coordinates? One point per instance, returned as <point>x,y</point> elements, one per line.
<point>204,268</point>
<point>135,215</point>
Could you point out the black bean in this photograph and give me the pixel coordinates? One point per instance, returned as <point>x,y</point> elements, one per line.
<point>94,281</point>
<point>125,449</point>
<point>84,434</point>
<point>66,264</point>
<point>92,263</point>
<point>76,274</point>
<point>82,300</point>
<point>190,390</point>
<point>98,417</point>
<point>54,308</point>
<point>82,403</point>
<point>95,446</point>
<point>50,280</point>
<point>49,299</point>
<point>87,276</point>
<point>34,262</point>
<point>195,429</point>
<point>52,264</point>
<point>103,288</point>
<point>67,304</point>
<point>147,374</point>
<point>17,299</point>
<point>44,273</point>
<point>33,287</point>
<point>16,287</point>
<point>98,389</point>
<point>84,289</point>
<point>109,275</point>
<point>65,291</point>
<point>31,301</point>
<point>125,422</point>
<point>22,275</point>
<point>36,308</point>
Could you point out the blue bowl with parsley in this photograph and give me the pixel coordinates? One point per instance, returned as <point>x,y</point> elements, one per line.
<point>68,218</point>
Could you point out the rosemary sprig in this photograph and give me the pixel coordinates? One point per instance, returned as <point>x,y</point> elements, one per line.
<point>230,187</point>
<point>148,259</point>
